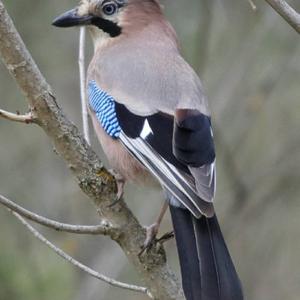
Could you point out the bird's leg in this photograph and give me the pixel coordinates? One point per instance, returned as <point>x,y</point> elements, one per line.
<point>120,187</point>
<point>152,230</point>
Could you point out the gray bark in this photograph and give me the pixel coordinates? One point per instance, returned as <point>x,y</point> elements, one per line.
<point>92,177</point>
<point>287,12</point>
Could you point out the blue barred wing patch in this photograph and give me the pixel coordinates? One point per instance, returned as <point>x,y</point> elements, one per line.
<point>105,109</point>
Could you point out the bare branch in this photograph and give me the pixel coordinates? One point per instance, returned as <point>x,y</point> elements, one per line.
<point>94,180</point>
<point>27,118</point>
<point>105,228</point>
<point>81,62</point>
<point>253,5</point>
<point>287,12</point>
<point>79,265</point>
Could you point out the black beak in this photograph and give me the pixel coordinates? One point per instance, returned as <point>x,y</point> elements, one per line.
<point>70,19</point>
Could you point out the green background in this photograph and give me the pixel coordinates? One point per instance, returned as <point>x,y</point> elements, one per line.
<point>250,67</point>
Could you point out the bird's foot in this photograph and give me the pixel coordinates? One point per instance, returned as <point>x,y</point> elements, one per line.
<point>166,237</point>
<point>151,240</point>
<point>151,233</point>
<point>120,187</point>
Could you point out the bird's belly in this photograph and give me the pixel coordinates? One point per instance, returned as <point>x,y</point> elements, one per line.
<point>120,159</point>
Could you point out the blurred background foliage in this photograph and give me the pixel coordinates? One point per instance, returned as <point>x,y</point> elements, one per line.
<point>250,65</point>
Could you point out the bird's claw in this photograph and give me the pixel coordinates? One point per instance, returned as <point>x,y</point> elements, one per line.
<point>151,233</point>
<point>115,202</point>
<point>120,187</point>
<point>151,240</point>
<point>166,237</point>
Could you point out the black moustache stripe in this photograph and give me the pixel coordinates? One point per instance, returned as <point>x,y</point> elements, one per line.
<point>110,27</point>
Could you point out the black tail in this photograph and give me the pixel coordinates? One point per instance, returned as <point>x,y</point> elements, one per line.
<point>207,270</point>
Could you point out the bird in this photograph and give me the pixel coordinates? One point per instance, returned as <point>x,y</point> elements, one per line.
<point>152,118</point>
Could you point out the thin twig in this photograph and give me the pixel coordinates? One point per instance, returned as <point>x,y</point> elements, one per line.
<point>287,12</point>
<point>81,62</point>
<point>253,5</point>
<point>79,265</point>
<point>105,228</point>
<point>27,118</point>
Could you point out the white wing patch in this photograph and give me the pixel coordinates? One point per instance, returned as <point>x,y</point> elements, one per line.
<point>146,130</point>
<point>183,189</point>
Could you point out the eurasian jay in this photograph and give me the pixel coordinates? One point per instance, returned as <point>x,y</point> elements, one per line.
<point>152,119</point>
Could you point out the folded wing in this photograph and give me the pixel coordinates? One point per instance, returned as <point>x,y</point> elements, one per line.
<point>168,147</point>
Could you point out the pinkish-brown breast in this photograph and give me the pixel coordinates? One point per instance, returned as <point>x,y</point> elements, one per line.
<point>120,159</point>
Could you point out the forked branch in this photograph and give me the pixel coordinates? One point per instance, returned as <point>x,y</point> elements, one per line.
<point>105,228</point>
<point>94,180</point>
<point>79,265</point>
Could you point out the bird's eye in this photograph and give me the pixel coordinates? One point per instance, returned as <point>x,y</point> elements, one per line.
<point>110,8</point>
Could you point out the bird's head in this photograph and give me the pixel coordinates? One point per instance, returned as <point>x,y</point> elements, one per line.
<point>110,18</point>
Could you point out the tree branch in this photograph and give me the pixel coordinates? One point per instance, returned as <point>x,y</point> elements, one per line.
<point>27,118</point>
<point>105,228</point>
<point>94,180</point>
<point>253,5</point>
<point>81,63</point>
<point>287,12</point>
<point>79,265</point>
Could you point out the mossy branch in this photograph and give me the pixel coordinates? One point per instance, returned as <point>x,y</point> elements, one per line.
<point>94,180</point>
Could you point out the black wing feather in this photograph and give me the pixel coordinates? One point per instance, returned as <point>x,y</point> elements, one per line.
<point>155,150</point>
